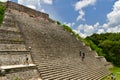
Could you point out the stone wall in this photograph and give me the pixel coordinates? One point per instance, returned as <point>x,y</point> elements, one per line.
<point>14,58</point>
<point>13,50</point>
<point>22,74</point>
<point>31,12</point>
<point>54,50</point>
<point>7,35</point>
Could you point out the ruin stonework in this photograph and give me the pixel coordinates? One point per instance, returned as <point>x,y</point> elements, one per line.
<point>13,51</point>
<point>29,11</point>
<point>55,51</point>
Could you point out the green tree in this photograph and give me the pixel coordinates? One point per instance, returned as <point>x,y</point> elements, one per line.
<point>107,44</point>
<point>2,10</point>
<point>58,23</point>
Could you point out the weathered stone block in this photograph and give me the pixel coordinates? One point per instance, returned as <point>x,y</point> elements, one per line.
<point>14,59</point>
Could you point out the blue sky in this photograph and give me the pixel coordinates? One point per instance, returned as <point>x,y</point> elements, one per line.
<point>85,17</point>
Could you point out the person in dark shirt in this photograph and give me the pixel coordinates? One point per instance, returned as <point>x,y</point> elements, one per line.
<point>83,56</point>
<point>26,60</point>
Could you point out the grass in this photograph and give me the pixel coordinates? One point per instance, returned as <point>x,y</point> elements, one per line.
<point>115,71</point>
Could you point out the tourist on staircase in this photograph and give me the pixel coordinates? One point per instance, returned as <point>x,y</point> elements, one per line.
<point>82,54</point>
<point>26,60</point>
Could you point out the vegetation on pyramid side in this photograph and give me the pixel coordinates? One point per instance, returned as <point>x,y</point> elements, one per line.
<point>2,10</point>
<point>67,28</point>
<point>87,41</point>
<point>107,44</point>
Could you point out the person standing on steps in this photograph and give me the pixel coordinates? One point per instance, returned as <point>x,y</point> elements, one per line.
<point>82,55</point>
<point>26,60</point>
<point>30,48</point>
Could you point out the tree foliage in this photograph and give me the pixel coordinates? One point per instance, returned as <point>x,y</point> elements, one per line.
<point>109,45</point>
<point>58,23</point>
<point>106,44</point>
<point>2,10</point>
<point>67,28</point>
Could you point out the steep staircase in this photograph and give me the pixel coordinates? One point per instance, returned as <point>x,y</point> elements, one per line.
<point>54,51</point>
<point>13,52</point>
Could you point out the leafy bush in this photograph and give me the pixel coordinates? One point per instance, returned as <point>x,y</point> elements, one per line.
<point>2,10</point>
<point>58,23</point>
<point>107,44</point>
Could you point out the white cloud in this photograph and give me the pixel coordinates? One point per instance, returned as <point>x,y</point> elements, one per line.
<point>114,29</point>
<point>80,17</point>
<point>113,17</point>
<point>100,31</point>
<point>42,10</point>
<point>31,6</point>
<point>113,24</point>
<point>48,1</point>
<point>85,30</point>
<point>4,0</point>
<point>105,26</point>
<point>96,25</point>
<point>20,1</point>
<point>34,4</point>
<point>82,4</point>
<point>69,24</point>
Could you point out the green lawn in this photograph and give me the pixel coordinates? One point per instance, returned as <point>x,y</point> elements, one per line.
<point>115,71</point>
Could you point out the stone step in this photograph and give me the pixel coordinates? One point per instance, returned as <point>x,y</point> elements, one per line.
<point>98,74</point>
<point>81,76</point>
<point>8,25</point>
<point>14,52</point>
<point>8,14</point>
<point>16,66</point>
<point>63,74</point>
<point>95,78</point>
<point>4,41</point>
<point>86,76</point>
<point>90,76</point>
<point>7,35</point>
<point>56,65</point>
<point>51,67</point>
<point>59,75</point>
<point>12,47</point>
<point>54,71</point>
<point>48,69</point>
<point>8,32</point>
<point>3,78</point>
<point>25,73</point>
<point>14,29</point>
<point>12,59</point>
<point>6,17</point>
<point>11,40</point>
